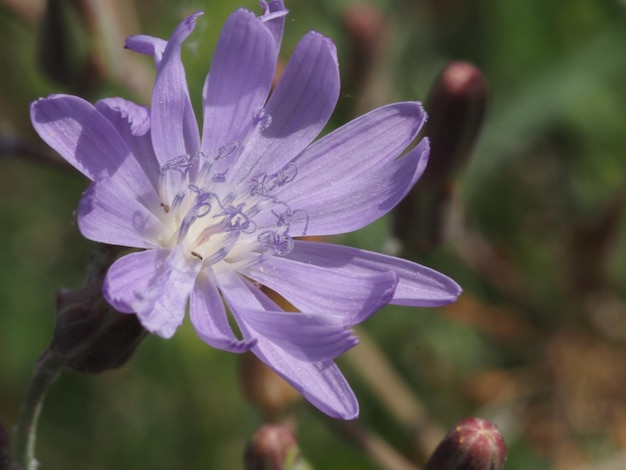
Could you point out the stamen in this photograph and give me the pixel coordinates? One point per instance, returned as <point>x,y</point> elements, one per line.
<point>264,183</point>
<point>226,150</point>
<point>173,176</point>
<point>219,177</point>
<point>182,163</point>
<point>280,243</point>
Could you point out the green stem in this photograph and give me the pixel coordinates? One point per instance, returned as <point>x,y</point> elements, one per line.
<point>46,371</point>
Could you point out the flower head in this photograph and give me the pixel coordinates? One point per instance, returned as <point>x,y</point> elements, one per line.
<point>216,210</point>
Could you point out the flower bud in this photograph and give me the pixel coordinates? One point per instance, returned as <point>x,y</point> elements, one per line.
<point>90,334</point>
<point>473,444</point>
<point>272,447</point>
<point>456,107</point>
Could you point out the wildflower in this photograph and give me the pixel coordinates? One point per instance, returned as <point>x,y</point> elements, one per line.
<point>215,211</point>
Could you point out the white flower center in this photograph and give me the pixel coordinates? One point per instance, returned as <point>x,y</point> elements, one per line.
<point>216,216</point>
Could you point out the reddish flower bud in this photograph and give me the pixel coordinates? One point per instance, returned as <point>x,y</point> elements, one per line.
<point>473,444</point>
<point>272,447</point>
<point>456,107</point>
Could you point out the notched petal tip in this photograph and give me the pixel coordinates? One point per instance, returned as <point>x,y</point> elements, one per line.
<point>244,15</point>
<point>43,99</point>
<point>191,19</point>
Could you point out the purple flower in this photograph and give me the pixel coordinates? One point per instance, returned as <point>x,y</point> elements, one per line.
<point>215,211</point>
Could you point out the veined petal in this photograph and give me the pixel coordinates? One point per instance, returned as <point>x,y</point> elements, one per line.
<point>160,300</point>
<point>305,336</point>
<point>174,126</point>
<point>322,383</point>
<point>308,337</point>
<point>111,213</point>
<point>367,178</point>
<point>130,276</point>
<point>132,122</point>
<point>312,288</point>
<point>297,110</point>
<point>418,285</point>
<point>86,139</point>
<point>208,316</point>
<point>241,74</point>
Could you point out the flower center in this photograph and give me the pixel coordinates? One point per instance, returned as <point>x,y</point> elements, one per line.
<point>216,216</point>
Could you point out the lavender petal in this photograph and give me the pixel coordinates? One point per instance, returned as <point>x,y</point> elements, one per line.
<point>241,74</point>
<point>161,302</point>
<point>418,286</point>
<point>312,288</point>
<point>110,213</point>
<point>132,122</point>
<point>147,45</point>
<point>322,383</point>
<point>368,178</point>
<point>208,317</point>
<point>130,276</point>
<point>298,109</point>
<point>174,126</point>
<point>74,128</point>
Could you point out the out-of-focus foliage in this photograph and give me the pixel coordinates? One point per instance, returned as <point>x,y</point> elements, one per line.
<point>536,236</point>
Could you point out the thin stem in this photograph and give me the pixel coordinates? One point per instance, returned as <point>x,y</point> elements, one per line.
<point>392,390</point>
<point>46,371</point>
<point>372,444</point>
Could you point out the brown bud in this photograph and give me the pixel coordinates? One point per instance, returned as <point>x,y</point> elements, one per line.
<point>90,334</point>
<point>456,107</point>
<point>272,447</point>
<point>473,444</point>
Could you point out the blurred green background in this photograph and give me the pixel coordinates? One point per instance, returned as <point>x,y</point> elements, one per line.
<point>534,232</point>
